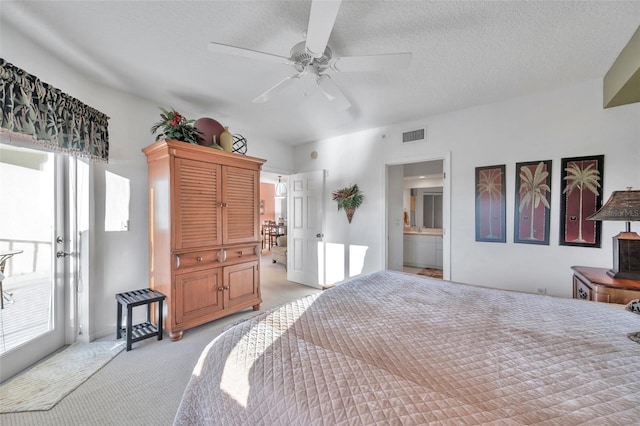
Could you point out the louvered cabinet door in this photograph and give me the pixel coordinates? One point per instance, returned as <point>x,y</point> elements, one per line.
<point>197,206</point>
<point>240,212</point>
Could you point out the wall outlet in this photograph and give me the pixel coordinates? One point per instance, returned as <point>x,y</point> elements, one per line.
<point>541,291</point>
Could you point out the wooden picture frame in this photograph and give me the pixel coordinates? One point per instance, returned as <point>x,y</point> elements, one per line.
<point>532,211</point>
<point>490,198</point>
<point>581,196</point>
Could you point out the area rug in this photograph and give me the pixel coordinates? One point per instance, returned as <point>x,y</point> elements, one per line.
<point>44,385</point>
<point>431,272</point>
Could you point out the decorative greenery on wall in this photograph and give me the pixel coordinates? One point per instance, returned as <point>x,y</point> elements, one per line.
<point>348,199</point>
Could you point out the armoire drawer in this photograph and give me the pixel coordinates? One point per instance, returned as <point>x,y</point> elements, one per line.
<point>247,252</point>
<point>198,258</point>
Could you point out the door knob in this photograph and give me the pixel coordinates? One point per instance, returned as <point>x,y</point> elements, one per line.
<point>320,235</point>
<point>61,253</point>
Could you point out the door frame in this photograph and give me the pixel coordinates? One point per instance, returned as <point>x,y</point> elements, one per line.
<point>445,157</point>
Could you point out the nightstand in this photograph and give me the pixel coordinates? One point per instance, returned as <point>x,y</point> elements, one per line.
<point>594,284</point>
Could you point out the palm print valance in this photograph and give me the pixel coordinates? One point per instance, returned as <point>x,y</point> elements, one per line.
<point>50,117</point>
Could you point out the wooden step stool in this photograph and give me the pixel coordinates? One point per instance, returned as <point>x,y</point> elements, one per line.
<point>130,299</point>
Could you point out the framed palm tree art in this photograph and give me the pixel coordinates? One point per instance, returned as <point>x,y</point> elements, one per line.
<point>581,197</point>
<point>532,202</point>
<point>491,204</point>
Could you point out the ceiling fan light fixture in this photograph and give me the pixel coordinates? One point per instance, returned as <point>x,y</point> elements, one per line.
<point>313,57</point>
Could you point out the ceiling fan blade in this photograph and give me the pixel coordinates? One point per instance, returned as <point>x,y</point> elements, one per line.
<point>388,62</point>
<point>277,88</point>
<point>333,92</point>
<point>225,49</point>
<point>321,19</point>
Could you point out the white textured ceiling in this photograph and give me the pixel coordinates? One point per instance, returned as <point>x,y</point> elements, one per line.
<point>465,53</point>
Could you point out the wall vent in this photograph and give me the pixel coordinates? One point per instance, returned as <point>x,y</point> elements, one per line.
<point>413,136</point>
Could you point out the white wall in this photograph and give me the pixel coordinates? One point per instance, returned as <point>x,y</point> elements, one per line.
<point>561,123</point>
<point>351,159</point>
<point>119,260</point>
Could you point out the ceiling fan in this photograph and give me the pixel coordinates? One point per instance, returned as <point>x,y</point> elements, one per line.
<point>313,57</point>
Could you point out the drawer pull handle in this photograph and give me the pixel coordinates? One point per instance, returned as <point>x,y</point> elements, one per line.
<point>582,294</point>
<point>220,288</point>
<point>226,287</point>
<point>177,261</point>
<point>199,258</point>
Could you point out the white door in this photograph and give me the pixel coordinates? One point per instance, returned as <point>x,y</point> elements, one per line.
<point>33,214</point>
<point>306,250</point>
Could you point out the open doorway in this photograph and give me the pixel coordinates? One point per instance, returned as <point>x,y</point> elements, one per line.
<point>273,207</point>
<point>273,217</point>
<point>300,229</point>
<point>422,218</point>
<point>417,216</point>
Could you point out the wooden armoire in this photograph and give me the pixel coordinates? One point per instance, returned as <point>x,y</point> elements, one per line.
<point>204,236</point>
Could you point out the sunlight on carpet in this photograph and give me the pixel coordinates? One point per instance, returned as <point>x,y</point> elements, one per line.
<point>431,272</point>
<point>48,382</point>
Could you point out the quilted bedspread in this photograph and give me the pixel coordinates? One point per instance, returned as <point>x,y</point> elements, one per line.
<point>392,348</point>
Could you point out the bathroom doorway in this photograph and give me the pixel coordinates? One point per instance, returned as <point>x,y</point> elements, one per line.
<point>417,215</point>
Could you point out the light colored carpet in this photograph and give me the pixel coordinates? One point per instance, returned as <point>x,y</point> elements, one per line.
<point>144,386</point>
<point>45,384</point>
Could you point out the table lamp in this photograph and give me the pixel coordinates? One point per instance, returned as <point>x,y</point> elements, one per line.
<point>623,206</point>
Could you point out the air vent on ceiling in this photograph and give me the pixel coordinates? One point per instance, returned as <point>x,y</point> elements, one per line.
<point>413,136</point>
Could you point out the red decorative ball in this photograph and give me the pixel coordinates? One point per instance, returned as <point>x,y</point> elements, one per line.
<point>209,128</point>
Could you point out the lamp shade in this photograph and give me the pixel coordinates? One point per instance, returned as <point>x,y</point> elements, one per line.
<point>622,205</point>
<point>281,189</point>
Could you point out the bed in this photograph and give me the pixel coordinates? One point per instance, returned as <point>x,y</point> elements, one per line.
<point>394,348</point>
